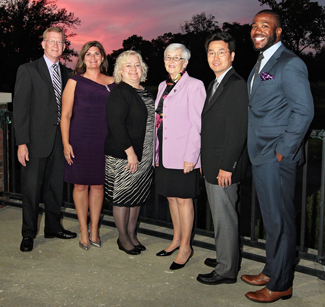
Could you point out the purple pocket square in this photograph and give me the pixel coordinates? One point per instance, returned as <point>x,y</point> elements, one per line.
<point>266,76</point>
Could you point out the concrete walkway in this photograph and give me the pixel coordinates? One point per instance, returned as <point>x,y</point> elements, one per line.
<point>59,273</point>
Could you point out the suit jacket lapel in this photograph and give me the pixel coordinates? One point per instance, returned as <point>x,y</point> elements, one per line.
<point>267,67</point>
<point>44,72</point>
<point>210,102</point>
<point>179,84</point>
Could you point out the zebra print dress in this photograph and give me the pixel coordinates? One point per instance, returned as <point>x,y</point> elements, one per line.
<point>123,188</point>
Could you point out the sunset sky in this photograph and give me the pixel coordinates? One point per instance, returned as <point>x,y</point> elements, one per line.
<point>112,21</point>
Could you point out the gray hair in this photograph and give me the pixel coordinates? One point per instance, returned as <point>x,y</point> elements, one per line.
<point>186,54</point>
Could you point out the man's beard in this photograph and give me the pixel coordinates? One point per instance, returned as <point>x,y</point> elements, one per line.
<point>271,41</point>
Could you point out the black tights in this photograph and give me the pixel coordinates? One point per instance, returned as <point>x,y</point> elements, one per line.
<point>126,219</point>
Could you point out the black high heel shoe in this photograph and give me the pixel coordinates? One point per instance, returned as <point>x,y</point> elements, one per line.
<point>177,266</point>
<point>163,253</point>
<point>133,251</point>
<point>140,247</point>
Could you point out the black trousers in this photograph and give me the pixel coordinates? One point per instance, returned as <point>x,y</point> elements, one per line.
<point>43,174</point>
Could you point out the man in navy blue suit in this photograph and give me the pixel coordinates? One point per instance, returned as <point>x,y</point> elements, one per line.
<point>279,114</point>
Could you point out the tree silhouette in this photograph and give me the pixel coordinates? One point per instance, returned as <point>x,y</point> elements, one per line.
<point>200,23</point>
<point>303,23</point>
<point>22,24</point>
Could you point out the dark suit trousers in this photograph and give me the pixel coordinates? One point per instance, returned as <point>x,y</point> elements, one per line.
<point>275,185</point>
<point>47,173</point>
<point>223,203</point>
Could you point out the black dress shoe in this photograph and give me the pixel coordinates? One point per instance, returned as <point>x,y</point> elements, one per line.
<point>63,234</point>
<point>26,244</point>
<point>211,262</point>
<point>176,266</point>
<point>163,253</point>
<point>133,251</point>
<point>140,247</point>
<point>214,278</point>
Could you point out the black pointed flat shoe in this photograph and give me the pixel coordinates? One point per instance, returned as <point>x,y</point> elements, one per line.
<point>133,251</point>
<point>176,266</point>
<point>163,253</point>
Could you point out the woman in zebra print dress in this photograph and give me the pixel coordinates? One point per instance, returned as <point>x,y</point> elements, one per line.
<point>129,147</point>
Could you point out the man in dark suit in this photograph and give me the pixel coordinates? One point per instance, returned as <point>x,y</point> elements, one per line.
<point>279,114</point>
<point>37,112</point>
<point>224,155</point>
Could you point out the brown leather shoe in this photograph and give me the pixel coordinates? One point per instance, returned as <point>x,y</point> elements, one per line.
<point>255,280</point>
<point>267,296</point>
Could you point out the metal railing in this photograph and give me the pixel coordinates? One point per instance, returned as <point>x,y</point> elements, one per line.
<point>157,212</point>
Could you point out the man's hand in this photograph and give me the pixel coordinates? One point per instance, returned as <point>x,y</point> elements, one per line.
<point>22,154</point>
<point>224,178</point>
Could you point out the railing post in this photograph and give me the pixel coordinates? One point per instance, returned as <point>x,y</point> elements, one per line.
<point>304,200</point>
<point>5,98</point>
<point>253,212</point>
<point>320,257</point>
<point>12,157</point>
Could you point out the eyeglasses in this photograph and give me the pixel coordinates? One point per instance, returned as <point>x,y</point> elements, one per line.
<point>174,58</point>
<point>220,53</point>
<point>52,42</point>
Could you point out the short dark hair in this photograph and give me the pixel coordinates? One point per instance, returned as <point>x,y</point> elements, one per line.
<point>276,15</point>
<point>221,36</point>
<point>81,66</point>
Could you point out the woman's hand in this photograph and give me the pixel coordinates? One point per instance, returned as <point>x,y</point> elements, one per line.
<point>132,160</point>
<point>188,167</point>
<point>132,163</point>
<point>68,153</point>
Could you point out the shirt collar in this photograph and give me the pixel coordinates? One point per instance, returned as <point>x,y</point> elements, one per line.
<point>49,65</point>
<point>269,52</point>
<point>222,76</point>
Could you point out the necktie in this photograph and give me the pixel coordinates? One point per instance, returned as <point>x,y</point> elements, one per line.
<point>257,67</point>
<point>57,89</point>
<point>214,88</point>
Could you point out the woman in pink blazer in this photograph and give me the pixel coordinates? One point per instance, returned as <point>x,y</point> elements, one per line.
<point>178,105</point>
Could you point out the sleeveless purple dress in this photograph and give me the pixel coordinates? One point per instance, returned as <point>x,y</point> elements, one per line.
<point>88,130</point>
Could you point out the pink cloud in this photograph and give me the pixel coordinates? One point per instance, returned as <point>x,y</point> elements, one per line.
<point>112,21</point>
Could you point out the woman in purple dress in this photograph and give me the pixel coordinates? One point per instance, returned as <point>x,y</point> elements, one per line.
<point>84,128</point>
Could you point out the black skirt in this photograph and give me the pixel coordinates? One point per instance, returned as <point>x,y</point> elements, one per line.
<point>173,182</point>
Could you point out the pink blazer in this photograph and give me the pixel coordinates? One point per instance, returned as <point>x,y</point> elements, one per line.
<point>181,123</point>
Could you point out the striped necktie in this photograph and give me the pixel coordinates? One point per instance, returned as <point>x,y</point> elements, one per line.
<point>214,88</point>
<point>57,89</point>
<point>257,68</point>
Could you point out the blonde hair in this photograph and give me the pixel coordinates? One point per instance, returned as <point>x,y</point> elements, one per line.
<point>54,29</point>
<point>122,59</point>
